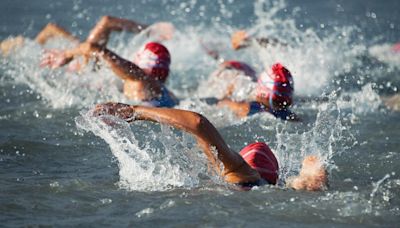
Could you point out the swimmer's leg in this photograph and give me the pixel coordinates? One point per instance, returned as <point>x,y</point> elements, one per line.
<point>52,30</point>
<point>312,177</point>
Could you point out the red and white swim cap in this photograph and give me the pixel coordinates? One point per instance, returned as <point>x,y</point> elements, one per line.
<point>154,59</point>
<point>240,66</point>
<point>276,86</point>
<point>260,157</point>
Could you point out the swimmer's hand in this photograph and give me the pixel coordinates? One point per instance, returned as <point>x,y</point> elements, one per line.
<point>161,31</point>
<point>313,175</point>
<point>54,59</point>
<point>123,111</point>
<point>240,39</point>
<point>11,44</point>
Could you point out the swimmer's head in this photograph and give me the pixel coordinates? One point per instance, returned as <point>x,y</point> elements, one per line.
<point>260,157</point>
<point>275,88</point>
<point>154,59</point>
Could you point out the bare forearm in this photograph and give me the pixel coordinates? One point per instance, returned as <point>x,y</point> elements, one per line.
<point>121,67</point>
<point>120,24</point>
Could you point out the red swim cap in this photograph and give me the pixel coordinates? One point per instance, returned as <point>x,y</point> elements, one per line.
<point>276,86</point>
<point>154,59</point>
<point>240,66</point>
<point>260,157</point>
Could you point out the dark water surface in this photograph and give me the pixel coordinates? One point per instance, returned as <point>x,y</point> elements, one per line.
<point>59,167</point>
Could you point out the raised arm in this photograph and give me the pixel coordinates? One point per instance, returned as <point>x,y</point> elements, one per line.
<point>123,68</point>
<point>101,32</point>
<point>52,30</point>
<point>49,31</point>
<point>235,169</point>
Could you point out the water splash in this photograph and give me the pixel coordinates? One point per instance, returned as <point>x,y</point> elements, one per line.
<point>314,60</point>
<point>329,136</point>
<point>60,88</point>
<point>174,163</point>
<point>385,53</point>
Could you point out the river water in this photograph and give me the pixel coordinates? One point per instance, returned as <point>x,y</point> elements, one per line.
<point>59,167</point>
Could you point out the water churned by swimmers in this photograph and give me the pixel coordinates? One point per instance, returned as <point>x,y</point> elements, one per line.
<point>144,79</point>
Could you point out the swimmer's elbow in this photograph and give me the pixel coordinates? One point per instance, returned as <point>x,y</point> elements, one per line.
<point>199,122</point>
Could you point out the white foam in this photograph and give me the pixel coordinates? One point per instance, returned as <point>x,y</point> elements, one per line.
<point>385,53</point>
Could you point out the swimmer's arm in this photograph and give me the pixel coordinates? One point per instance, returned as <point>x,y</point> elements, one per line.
<point>123,68</point>
<point>241,39</point>
<point>241,109</point>
<point>235,170</point>
<point>313,176</point>
<point>101,32</point>
<point>52,30</point>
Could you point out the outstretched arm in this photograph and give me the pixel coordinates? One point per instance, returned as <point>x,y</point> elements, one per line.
<point>121,67</point>
<point>101,32</point>
<point>235,169</point>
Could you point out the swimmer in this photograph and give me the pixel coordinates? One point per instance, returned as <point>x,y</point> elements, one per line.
<point>99,34</point>
<point>255,165</point>
<point>143,78</point>
<point>242,39</point>
<point>273,93</point>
